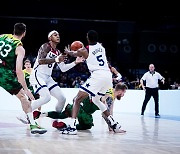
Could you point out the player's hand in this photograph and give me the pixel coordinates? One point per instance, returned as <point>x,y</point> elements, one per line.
<point>67,49</point>
<point>70,52</point>
<point>29,94</point>
<point>79,60</point>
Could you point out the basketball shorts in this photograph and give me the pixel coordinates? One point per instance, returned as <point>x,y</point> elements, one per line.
<point>98,83</point>
<point>8,81</point>
<point>39,81</point>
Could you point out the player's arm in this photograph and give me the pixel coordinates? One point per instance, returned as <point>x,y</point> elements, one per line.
<point>82,52</point>
<point>108,100</point>
<point>43,51</point>
<point>20,52</point>
<point>65,67</point>
<point>118,75</point>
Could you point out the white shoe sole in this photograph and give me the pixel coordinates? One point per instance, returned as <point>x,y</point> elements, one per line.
<point>24,121</point>
<point>69,132</point>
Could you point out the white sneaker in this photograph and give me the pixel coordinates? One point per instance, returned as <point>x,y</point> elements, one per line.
<point>23,118</point>
<point>117,128</point>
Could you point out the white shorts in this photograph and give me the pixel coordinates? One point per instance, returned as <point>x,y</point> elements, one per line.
<point>39,80</point>
<point>98,83</point>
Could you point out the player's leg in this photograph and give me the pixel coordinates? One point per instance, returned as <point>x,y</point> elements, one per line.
<point>26,105</point>
<point>85,120</point>
<point>56,92</point>
<point>105,83</point>
<point>71,130</point>
<point>39,83</point>
<point>44,98</point>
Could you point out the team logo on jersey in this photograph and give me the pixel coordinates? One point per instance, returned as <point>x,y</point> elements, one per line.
<point>87,85</point>
<point>52,55</point>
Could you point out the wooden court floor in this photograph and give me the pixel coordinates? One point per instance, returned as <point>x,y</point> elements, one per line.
<point>145,135</point>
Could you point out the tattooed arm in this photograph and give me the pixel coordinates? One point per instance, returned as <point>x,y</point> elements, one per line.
<point>43,51</point>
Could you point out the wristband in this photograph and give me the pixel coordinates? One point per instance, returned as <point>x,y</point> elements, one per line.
<point>57,59</point>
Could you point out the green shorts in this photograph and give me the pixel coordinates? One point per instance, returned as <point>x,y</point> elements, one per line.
<point>9,81</point>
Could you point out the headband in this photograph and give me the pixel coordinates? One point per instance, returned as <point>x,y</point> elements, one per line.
<point>52,32</point>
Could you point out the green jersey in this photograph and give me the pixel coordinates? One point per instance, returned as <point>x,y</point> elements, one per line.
<point>8,45</point>
<point>8,80</point>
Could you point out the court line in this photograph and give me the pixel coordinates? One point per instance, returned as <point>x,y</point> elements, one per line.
<point>27,151</point>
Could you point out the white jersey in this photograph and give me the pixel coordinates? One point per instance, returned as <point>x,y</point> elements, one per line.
<point>97,58</point>
<point>46,68</point>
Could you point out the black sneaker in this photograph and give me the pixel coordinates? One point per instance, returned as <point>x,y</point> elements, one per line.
<point>157,116</point>
<point>69,131</point>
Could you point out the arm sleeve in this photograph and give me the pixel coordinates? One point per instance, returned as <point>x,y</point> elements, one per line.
<point>65,67</point>
<point>119,76</point>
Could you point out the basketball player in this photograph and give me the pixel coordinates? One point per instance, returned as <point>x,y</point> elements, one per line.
<point>87,108</point>
<point>12,77</point>
<point>41,79</point>
<point>27,71</point>
<point>98,83</point>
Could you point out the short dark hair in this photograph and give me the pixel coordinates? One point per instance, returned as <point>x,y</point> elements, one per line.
<point>19,28</point>
<point>120,86</point>
<point>27,61</point>
<point>92,35</point>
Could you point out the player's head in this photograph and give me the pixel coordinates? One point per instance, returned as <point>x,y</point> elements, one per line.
<point>54,36</point>
<point>120,90</point>
<point>92,36</point>
<point>19,29</point>
<point>27,63</point>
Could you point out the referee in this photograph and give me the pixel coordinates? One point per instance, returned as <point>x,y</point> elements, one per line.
<point>151,79</point>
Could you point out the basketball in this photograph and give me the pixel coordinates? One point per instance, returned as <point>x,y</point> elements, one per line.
<point>76,45</point>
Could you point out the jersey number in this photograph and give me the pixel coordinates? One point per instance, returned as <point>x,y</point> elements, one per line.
<point>100,60</point>
<point>4,49</point>
<point>49,65</point>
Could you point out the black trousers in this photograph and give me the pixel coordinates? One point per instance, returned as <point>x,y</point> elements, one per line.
<point>154,93</point>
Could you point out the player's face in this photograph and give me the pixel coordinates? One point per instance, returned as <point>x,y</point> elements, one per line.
<point>120,93</point>
<point>27,65</point>
<point>55,38</point>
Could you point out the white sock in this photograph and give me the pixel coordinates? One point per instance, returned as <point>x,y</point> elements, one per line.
<point>31,118</point>
<point>111,119</point>
<point>72,123</point>
<point>44,114</point>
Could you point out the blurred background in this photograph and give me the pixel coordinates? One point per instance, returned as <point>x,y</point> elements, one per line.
<point>134,33</point>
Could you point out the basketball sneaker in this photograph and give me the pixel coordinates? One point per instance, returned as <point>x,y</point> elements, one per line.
<point>59,125</point>
<point>36,129</point>
<point>115,126</point>
<point>69,131</point>
<point>23,118</point>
